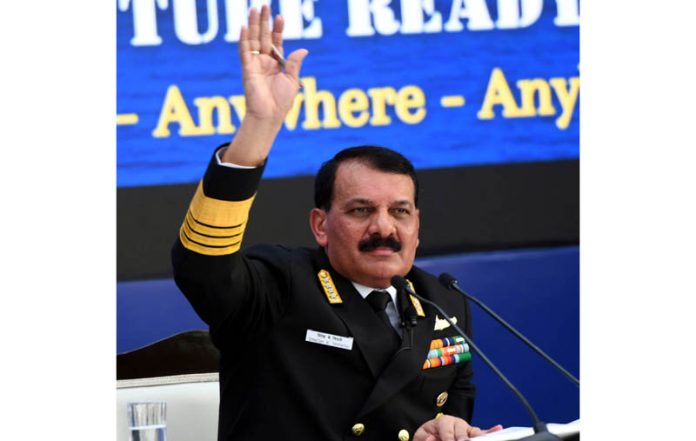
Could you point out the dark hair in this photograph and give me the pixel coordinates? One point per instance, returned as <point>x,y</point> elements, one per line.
<point>380,158</point>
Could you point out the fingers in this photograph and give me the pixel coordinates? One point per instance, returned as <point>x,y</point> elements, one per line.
<point>446,428</point>
<point>264,31</point>
<point>462,431</point>
<point>477,431</point>
<point>450,428</point>
<point>254,30</point>
<point>277,34</point>
<point>495,428</point>
<point>426,432</point>
<point>244,49</point>
<point>257,38</point>
<point>249,37</point>
<point>293,64</point>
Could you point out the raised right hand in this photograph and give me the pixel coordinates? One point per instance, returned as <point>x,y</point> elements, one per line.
<point>269,91</point>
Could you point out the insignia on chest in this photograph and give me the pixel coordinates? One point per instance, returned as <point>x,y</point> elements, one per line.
<point>446,351</point>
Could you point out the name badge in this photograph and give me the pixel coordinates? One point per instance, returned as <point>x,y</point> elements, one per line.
<point>323,338</point>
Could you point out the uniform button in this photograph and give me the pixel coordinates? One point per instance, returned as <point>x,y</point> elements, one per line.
<point>439,414</point>
<point>441,399</point>
<point>358,429</point>
<point>403,435</point>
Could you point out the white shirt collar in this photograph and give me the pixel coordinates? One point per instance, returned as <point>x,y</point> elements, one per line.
<point>365,290</point>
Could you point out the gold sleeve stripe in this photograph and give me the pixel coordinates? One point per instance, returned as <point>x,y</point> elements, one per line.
<point>198,229</point>
<point>207,249</point>
<point>214,227</point>
<point>218,213</point>
<point>210,250</point>
<point>208,230</point>
<point>203,239</point>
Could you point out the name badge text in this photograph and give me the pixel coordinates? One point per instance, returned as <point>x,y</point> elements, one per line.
<point>323,338</point>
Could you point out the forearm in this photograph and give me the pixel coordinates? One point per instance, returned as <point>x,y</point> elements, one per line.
<point>253,142</point>
<point>211,232</point>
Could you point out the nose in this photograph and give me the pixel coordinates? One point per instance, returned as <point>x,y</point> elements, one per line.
<point>381,223</point>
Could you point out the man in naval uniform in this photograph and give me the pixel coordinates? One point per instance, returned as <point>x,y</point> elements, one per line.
<point>310,339</point>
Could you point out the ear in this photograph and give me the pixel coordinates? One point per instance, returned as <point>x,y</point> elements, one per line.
<point>418,226</point>
<point>317,222</point>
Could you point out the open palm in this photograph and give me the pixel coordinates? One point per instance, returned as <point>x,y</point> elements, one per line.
<point>269,90</point>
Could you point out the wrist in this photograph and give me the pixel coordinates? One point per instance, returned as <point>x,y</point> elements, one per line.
<point>266,124</point>
<point>252,143</point>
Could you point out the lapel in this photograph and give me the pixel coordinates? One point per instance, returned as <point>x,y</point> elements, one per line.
<point>406,362</point>
<point>360,319</point>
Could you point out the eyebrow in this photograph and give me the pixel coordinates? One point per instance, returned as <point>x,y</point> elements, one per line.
<point>365,201</point>
<point>359,201</point>
<point>403,202</point>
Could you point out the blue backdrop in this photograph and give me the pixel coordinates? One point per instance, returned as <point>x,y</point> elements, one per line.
<point>507,70</point>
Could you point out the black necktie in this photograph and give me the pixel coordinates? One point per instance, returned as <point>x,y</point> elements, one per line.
<point>379,301</point>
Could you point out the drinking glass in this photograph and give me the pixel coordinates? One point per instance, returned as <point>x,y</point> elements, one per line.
<point>147,421</point>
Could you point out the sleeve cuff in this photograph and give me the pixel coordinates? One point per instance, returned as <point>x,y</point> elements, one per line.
<point>229,164</point>
<point>229,183</point>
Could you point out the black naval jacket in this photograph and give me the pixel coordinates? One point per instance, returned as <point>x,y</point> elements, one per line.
<point>262,302</point>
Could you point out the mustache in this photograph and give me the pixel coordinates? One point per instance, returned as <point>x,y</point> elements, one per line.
<point>375,242</point>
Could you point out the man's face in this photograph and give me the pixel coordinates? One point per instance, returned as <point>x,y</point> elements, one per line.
<point>370,234</point>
